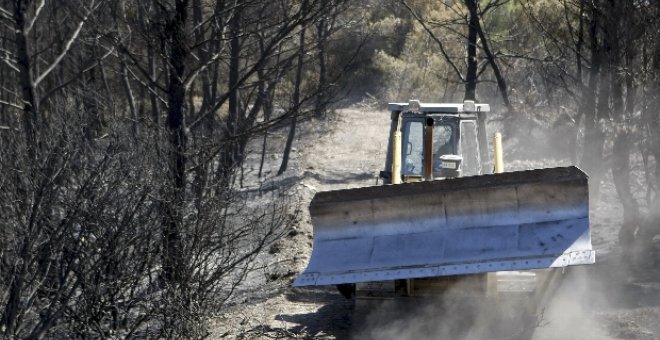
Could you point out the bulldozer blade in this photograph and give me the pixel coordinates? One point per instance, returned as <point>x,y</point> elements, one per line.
<point>510,221</point>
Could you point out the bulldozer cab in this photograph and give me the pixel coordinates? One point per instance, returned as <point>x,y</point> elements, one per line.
<point>447,133</point>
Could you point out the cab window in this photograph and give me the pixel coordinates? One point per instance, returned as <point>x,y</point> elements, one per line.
<point>443,143</point>
<point>412,148</point>
<point>469,149</point>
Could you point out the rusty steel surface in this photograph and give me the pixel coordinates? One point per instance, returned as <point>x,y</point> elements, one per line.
<point>510,221</point>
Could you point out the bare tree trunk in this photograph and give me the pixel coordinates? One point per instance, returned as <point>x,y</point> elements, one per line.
<point>177,139</point>
<point>151,68</point>
<point>653,122</point>
<point>268,110</point>
<point>207,93</point>
<point>153,97</point>
<point>575,129</point>
<point>30,121</point>
<point>266,96</point>
<point>471,80</point>
<point>131,100</point>
<point>231,149</point>
<point>296,102</point>
<point>592,156</point>
<point>595,145</point>
<point>15,292</point>
<point>622,119</point>
<point>30,104</point>
<point>501,82</point>
<point>471,75</point>
<point>266,92</point>
<point>321,97</point>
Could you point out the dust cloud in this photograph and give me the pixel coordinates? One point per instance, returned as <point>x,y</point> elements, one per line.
<point>581,308</point>
<point>572,313</point>
<point>430,318</point>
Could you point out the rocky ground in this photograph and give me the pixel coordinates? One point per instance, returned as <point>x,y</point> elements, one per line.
<point>613,299</point>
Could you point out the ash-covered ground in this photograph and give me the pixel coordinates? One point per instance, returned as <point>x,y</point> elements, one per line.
<point>617,298</point>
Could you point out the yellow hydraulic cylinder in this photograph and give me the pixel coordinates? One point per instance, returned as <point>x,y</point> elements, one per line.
<point>499,162</point>
<point>428,150</point>
<point>396,158</point>
<point>396,153</point>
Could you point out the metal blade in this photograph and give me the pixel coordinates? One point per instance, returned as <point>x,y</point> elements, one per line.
<point>509,221</point>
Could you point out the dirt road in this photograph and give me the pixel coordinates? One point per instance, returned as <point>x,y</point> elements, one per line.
<point>609,300</point>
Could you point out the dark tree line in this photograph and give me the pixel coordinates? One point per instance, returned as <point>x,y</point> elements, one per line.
<point>603,57</point>
<point>123,129</point>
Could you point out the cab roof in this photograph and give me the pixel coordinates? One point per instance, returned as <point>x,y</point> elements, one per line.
<point>441,107</point>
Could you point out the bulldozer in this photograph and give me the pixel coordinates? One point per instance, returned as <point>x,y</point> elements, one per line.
<point>448,216</point>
